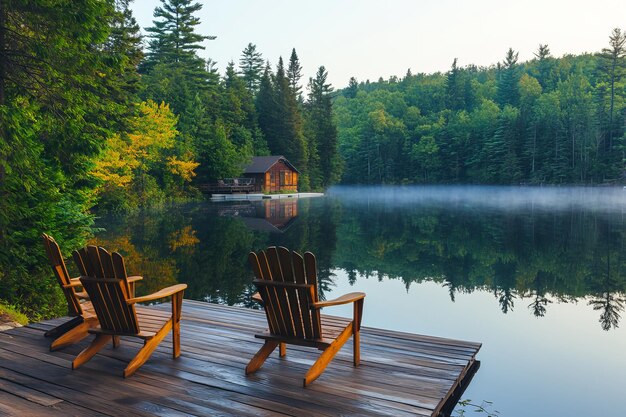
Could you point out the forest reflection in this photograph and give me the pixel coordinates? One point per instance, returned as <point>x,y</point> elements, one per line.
<point>527,257</point>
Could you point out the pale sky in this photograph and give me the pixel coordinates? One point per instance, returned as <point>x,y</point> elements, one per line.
<point>368,39</point>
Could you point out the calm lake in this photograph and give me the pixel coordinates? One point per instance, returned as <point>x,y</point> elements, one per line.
<point>538,275</point>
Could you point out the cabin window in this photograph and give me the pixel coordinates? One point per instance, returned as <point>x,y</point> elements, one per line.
<point>286,178</point>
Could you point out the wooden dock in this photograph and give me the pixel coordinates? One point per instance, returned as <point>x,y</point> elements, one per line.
<point>400,374</point>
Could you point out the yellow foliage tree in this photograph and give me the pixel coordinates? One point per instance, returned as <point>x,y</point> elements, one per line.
<point>154,130</point>
<point>115,165</point>
<point>183,169</point>
<point>127,160</point>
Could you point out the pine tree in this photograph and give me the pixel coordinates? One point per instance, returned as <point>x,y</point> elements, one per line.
<point>352,88</point>
<point>267,109</point>
<point>455,93</point>
<point>294,74</point>
<point>125,42</point>
<point>610,88</point>
<point>544,69</point>
<point>177,75</point>
<point>280,119</point>
<point>173,38</point>
<point>324,163</point>
<point>508,78</point>
<point>251,68</point>
<point>239,114</point>
<point>503,163</point>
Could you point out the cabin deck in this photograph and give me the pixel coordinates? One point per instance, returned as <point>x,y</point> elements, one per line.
<point>400,374</point>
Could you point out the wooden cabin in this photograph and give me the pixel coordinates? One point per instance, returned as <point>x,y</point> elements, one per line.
<point>272,174</point>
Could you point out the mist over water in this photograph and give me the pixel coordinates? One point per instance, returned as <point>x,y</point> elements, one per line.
<point>505,198</point>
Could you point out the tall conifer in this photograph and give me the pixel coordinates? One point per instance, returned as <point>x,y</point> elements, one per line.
<point>251,67</point>
<point>612,72</point>
<point>321,132</point>
<point>267,109</point>
<point>173,38</point>
<point>294,74</point>
<point>509,75</point>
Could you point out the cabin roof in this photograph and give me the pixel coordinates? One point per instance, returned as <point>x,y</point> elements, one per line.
<point>262,164</point>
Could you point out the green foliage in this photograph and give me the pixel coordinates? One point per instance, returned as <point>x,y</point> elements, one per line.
<point>321,132</point>
<point>294,74</point>
<point>60,75</point>
<point>549,120</point>
<point>281,119</point>
<point>251,68</point>
<point>173,39</point>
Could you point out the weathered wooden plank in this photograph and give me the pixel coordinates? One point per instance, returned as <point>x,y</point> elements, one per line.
<point>26,393</point>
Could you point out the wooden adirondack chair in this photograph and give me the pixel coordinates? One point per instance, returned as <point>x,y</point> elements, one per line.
<point>108,287</point>
<point>287,285</point>
<point>83,314</point>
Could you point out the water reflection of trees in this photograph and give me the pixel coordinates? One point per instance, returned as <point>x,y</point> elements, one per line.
<point>523,258</point>
<point>607,290</point>
<point>199,245</point>
<point>536,256</point>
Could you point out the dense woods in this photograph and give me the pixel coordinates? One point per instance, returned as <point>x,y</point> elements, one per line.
<point>95,117</point>
<point>549,120</point>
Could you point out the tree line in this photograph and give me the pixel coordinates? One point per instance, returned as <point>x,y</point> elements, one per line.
<point>549,120</point>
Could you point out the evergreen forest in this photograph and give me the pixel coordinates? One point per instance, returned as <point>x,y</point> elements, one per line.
<point>96,117</point>
<point>546,121</point>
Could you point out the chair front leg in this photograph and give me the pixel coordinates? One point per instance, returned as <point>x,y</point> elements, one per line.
<point>356,336</point>
<point>329,353</point>
<point>177,303</point>
<point>88,353</point>
<point>257,360</point>
<point>144,353</point>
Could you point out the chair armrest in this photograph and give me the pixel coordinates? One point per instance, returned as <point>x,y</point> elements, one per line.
<point>74,282</point>
<point>344,299</point>
<point>257,297</point>
<point>165,292</point>
<point>135,278</point>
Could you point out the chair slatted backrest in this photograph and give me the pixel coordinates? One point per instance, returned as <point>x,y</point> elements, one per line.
<point>287,283</point>
<point>60,271</point>
<point>105,280</point>
<point>91,264</point>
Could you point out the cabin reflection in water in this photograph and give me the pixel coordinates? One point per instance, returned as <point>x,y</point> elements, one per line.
<point>274,216</point>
